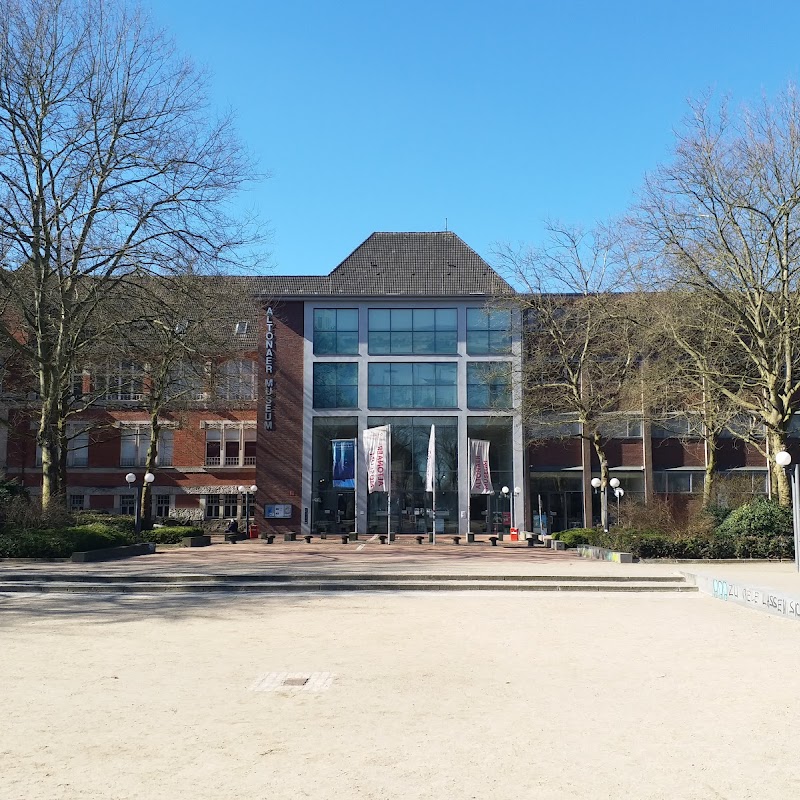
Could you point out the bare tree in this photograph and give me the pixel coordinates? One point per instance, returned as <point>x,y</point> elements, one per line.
<point>189,329</point>
<point>580,336</point>
<point>721,222</point>
<point>111,164</point>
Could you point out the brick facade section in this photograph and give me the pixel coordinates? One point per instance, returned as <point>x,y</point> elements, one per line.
<point>279,453</point>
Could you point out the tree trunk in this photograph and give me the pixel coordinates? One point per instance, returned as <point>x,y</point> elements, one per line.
<point>779,481</point>
<point>711,469</point>
<point>150,465</point>
<point>601,455</point>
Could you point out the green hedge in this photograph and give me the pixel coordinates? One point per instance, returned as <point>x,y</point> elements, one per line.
<point>172,534</point>
<point>61,543</point>
<point>575,536</point>
<point>118,522</point>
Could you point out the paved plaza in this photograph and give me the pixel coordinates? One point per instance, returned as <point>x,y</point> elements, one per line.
<point>395,695</point>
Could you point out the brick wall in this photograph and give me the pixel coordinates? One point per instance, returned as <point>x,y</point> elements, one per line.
<point>279,453</point>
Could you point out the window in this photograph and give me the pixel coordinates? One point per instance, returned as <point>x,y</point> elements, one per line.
<point>673,427</point>
<point>162,505</point>
<point>134,442</point>
<point>553,426</point>
<point>77,447</point>
<point>127,504</point>
<point>77,502</point>
<point>412,385</point>
<point>678,482</point>
<point>187,381</point>
<point>230,507</point>
<point>120,380</point>
<point>335,331</point>
<point>416,331</point>
<point>629,427</point>
<point>212,506</point>
<point>488,331</point>
<point>230,445</point>
<point>236,380</point>
<point>335,385</point>
<point>489,384</point>
<point>241,328</point>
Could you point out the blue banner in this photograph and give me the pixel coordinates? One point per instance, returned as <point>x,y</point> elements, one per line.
<point>344,463</point>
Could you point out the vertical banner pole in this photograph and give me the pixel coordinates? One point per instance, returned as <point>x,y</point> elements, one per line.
<point>389,484</point>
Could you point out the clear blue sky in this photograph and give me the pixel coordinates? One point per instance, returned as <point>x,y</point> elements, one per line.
<point>495,115</point>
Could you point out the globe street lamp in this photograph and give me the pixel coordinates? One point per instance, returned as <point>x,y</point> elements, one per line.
<point>247,491</point>
<point>505,490</point>
<point>515,507</point>
<point>783,459</point>
<point>131,479</point>
<point>614,484</point>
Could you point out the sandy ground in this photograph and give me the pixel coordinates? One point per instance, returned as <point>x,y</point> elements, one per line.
<point>434,695</point>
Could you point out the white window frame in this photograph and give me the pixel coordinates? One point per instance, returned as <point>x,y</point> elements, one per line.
<point>236,380</point>
<point>241,432</point>
<point>140,434</point>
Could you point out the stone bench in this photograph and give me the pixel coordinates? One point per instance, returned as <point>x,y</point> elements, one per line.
<point>289,537</point>
<point>345,538</point>
<point>308,537</point>
<point>196,541</point>
<point>234,537</point>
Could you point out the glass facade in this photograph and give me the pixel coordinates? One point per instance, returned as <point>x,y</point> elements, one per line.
<point>489,384</point>
<point>411,504</point>
<point>335,331</point>
<point>488,331</point>
<point>417,331</point>
<point>333,509</point>
<point>412,385</point>
<point>335,385</point>
<point>493,512</point>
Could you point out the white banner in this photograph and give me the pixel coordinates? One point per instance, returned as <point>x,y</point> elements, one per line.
<point>430,467</point>
<point>480,477</point>
<point>376,450</point>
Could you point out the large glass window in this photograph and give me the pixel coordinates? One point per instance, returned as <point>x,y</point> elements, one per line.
<point>335,331</point>
<point>335,385</point>
<point>413,331</point>
<point>488,331</point>
<point>333,508</point>
<point>489,384</point>
<point>411,504</point>
<point>412,385</point>
<point>487,511</point>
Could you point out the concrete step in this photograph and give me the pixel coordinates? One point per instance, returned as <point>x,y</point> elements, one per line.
<point>314,585</point>
<point>289,577</point>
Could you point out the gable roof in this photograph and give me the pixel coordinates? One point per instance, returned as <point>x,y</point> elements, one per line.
<point>408,264</point>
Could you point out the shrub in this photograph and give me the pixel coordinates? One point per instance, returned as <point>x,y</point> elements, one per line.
<point>35,544</point>
<point>117,522</point>
<point>96,536</point>
<point>173,534</point>
<point>759,529</point>
<point>574,536</point>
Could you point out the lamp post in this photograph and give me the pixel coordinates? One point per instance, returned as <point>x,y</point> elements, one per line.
<point>131,479</point>
<point>614,484</point>
<point>784,459</point>
<point>247,491</point>
<point>506,492</point>
<point>514,506</point>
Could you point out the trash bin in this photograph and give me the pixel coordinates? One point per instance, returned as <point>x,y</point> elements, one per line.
<point>254,531</point>
<point>514,535</point>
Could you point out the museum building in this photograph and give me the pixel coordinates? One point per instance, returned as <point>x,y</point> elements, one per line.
<point>414,331</point>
